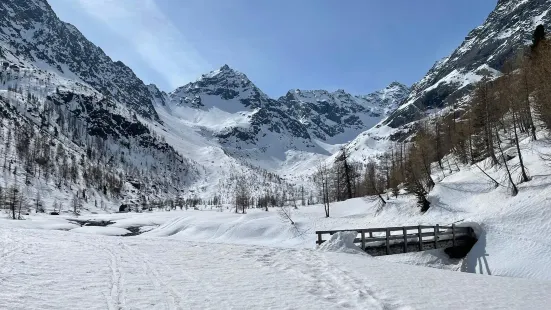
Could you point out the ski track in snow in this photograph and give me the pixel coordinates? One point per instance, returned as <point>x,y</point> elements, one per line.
<point>324,279</point>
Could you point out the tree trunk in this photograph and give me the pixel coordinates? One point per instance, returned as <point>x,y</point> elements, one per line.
<point>513,186</point>
<point>524,175</point>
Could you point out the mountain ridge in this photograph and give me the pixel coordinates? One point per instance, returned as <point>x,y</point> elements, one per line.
<point>325,114</point>
<point>31,30</point>
<point>506,31</point>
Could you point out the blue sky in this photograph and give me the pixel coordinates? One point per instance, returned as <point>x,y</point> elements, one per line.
<point>356,45</point>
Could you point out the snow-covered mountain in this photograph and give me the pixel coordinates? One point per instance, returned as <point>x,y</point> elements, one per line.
<point>197,139</point>
<point>339,116</point>
<point>246,118</point>
<point>243,117</point>
<point>287,136</point>
<point>222,125</point>
<point>82,120</point>
<point>448,84</point>
<point>31,32</point>
<point>485,49</point>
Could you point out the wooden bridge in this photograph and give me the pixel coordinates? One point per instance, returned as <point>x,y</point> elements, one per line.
<point>457,241</point>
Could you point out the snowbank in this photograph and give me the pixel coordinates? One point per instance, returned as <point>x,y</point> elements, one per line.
<point>342,242</point>
<point>38,221</point>
<point>99,230</point>
<point>432,258</point>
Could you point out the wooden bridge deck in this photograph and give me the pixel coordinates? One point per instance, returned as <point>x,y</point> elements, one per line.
<point>398,240</point>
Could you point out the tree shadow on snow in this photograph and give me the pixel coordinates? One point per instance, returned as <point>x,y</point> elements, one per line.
<point>476,261</point>
<point>470,187</point>
<point>437,204</point>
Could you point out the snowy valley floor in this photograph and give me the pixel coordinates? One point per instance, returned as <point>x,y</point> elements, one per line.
<point>64,270</point>
<point>204,259</point>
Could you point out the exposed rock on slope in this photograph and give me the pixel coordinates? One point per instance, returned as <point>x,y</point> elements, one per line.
<point>507,29</point>
<point>30,31</point>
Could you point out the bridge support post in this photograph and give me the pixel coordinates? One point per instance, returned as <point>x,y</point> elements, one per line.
<point>453,234</point>
<point>436,229</point>
<point>363,240</point>
<point>319,239</point>
<point>420,234</point>
<point>405,241</point>
<point>387,241</point>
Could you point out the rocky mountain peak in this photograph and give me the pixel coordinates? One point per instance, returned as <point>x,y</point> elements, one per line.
<point>226,72</point>
<point>398,86</point>
<point>226,84</point>
<point>337,116</point>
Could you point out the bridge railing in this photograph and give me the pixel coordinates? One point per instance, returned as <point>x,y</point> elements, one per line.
<point>407,235</point>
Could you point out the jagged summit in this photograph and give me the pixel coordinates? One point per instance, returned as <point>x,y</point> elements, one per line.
<point>397,84</point>
<point>338,116</point>
<point>225,71</point>
<point>215,88</point>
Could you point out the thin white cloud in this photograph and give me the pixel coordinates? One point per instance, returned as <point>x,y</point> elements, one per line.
<point>153,36</point>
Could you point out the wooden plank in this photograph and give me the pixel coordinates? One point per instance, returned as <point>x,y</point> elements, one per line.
<point>387,242</point>
<point>420,235</point>
<point>410,227</point>
<point>368,240</point>
<point>363,240</point>
<point>442,234</point>
<point>427,227</point>
<point>356,230</point>
<point>436,229</point>
<point>375,229</point>
<point>401,228</point>
<point>412,236</point>
<point>405,240</point>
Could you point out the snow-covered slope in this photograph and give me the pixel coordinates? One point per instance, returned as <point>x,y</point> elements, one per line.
<point>506,30</point>
<point>76,140</point>
<point>82,122</point>
<point>99,272</point>
<point>30,32</point>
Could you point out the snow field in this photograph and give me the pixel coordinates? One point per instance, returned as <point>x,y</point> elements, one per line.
<point>64,270</point>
